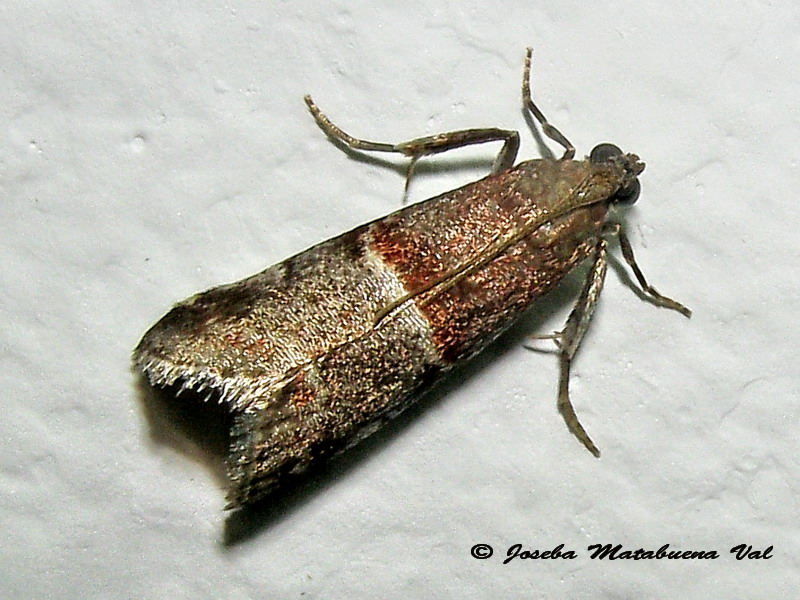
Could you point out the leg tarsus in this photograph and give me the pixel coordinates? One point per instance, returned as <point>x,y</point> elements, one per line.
<point>333,131</point>
<point>651,293</point>
<point>568,412</point>
<point>549,130</point>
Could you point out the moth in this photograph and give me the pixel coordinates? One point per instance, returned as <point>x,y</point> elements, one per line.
<point>317,352</point>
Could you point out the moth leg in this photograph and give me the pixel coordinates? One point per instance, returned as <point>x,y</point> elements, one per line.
<point>569,339</point>
<point>432,144</point>
<point>652,294</point>
<point>555,336</point>
<point>548,129</point>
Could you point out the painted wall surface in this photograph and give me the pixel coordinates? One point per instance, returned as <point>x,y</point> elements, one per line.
<point>151,152</point>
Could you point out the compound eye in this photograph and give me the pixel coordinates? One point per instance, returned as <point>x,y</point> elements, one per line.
<point>604,153</point>
<point>629,194</point>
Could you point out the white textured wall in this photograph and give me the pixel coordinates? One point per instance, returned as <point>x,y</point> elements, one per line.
<point>151,152</point>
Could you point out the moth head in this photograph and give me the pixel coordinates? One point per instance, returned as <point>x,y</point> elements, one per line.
<point>609,154</point>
